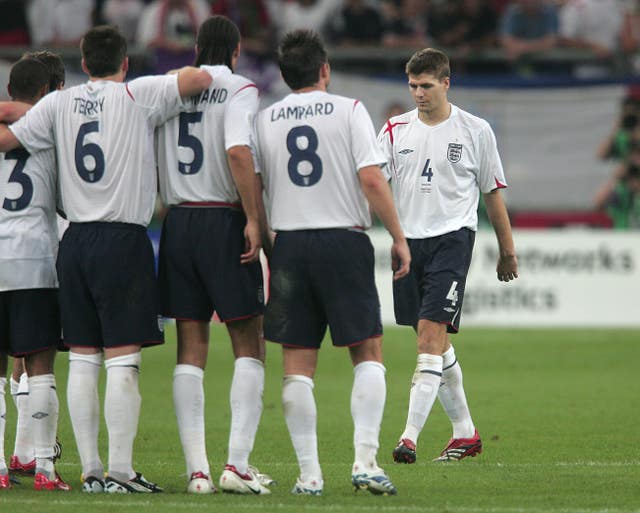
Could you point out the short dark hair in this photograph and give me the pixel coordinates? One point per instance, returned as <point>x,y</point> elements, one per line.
<point>27,78</point>
<point>431,61</point>
<point>301,54</point>
<point>217,39</point>
<point>104,49</point>
<point>54,64</point>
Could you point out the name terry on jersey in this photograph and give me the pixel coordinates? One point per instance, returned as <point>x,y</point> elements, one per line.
<point>87,107</point>
<point>214,95</point>
<point>302,111</point>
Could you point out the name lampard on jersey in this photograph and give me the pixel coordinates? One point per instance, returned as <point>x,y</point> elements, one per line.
<point>215,95</point>
<point>88,107</point>
<point>302,111</point>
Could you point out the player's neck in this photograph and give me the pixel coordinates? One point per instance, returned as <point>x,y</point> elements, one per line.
<point>315,87</point>
<point>437,116</point>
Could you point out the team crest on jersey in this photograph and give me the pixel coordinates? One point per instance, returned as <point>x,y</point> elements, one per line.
<point>454,152</point>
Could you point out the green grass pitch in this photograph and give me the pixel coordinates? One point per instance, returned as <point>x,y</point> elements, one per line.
<point>558,411</point>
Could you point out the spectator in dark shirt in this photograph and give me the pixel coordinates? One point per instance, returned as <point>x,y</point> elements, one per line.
<point>464,24</point>
<point>528,26</point>
<point>358,24</point>
<point>14,29</point>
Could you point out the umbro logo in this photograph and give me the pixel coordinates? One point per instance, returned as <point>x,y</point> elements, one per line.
<point>40,415</point>
<point>447,309</point>
<point>405,151</point>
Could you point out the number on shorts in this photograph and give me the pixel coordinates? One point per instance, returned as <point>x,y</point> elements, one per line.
<point>17,176</point>
<point>89,150</point>
<point>453,293</point>
<point>307,154</point>
<point>187,140</point>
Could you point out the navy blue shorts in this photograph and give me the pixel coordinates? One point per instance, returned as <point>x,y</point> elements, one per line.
<point>320,278</point>
<point>200,270</point>
<point>108,288</point>
<point>434,288</point>
<point>29,321</point>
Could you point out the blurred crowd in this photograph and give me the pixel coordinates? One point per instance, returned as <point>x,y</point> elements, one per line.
<point>619,197</point>
<point>521,27</point>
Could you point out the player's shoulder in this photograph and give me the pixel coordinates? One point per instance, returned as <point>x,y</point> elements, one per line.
<point>224,77</point>
<point>398,123</point>
<point>467,119</point>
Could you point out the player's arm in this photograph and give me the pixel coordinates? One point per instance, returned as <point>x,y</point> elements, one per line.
<point>192,81</point>
<point>8,141</point>
<point>376,189</point>
<point>266,235</point>
<point>507,268</point>
<point>241,164</point>
<point>12,111</point>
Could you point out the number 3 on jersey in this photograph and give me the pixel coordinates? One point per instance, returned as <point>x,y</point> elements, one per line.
<point>307,154</point>
<point>17,176</point>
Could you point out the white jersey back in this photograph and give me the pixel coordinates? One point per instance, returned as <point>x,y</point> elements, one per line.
<point>310,148</point>
<point>103,135</point>
<point>28,225</point>
<point>436,172</point>
<point>192,147</point>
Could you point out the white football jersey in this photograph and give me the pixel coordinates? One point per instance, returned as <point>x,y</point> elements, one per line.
<point>310,148</point>
<point>103,135</point>
<point>28,225</point>
<point>192,147</point>
<point>437,172</point>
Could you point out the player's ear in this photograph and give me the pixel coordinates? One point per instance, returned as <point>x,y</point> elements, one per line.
<point>84,67</point>
<point>125,65</point>
<point>9,90</point>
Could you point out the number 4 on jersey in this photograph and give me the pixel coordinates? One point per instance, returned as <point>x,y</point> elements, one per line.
<point>453,293</point>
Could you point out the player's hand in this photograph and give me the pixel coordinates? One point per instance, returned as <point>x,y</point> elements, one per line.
<point>252,243</point>
<point>507,268</point>
<point>400,259</point>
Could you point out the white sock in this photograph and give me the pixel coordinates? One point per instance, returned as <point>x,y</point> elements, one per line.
<point>3,419</point>
<point>453,398</point>
<point>424,390</point>
<point>245,398</point>
<point>188,402</point>
<point>300,414</point>
<point>84,409</point>
<point>121,412</point>
<point>23,447</point>
<point>43,402</point>
<point>367,406</point>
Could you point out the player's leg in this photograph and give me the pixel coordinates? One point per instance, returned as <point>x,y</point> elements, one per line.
<point>82,334</point>
<point>424,386</point>
<point>368,397</point>
<point>4,471</point>
<point>22,460</point>
<point>44,408</point>
<point>188,399</point>
<point>300,414</point>
<point>245,395</point>
<point>184,298</point>
<point>465,440</point>
<point>83,403</point>
<point>294,319</point>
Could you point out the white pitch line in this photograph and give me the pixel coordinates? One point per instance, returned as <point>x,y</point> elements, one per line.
<point>269,506</point>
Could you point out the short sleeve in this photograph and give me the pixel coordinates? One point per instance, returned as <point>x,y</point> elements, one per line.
<point>365,149</point>
<point>35,130</point>
<point>158,95</point>
<point>490,172</point>
<point>385,142</point>
<point>239,117</point>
